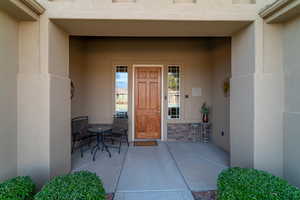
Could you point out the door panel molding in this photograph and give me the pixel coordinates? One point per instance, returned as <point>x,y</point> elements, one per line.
<point>134,99</point>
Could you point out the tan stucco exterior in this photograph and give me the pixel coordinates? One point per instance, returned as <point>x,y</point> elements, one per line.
<point>263,101</point>
<point>221,60</point>
<point>242,98</point>
<point>292,99</point>
<point>8,104</point>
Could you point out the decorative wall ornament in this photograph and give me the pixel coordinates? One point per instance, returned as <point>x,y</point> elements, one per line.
<point>226,87</point>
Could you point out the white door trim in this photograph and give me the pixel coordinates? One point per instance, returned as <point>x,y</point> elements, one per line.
<point>161,103</point>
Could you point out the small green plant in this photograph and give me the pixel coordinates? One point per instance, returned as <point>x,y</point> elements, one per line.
<point>251,184</point>
<point>204,109</point>
<point>19,188</point>
<point>81,185</point>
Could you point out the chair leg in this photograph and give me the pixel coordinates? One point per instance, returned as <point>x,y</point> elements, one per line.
<point>81,149</point>
<point>120,144</point>
<point>72,148</point>
<point>81,152</point>
<point>127,140</point>
<point>89,144</point>
<point>73,144</point>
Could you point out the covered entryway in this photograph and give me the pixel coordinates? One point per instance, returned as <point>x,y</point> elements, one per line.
<point>160,83</point>
<point>151,79</point>
<point>97,65</point>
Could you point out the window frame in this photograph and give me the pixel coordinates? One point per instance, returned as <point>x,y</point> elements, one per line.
<point>115,88</point>
<point>179,91</point>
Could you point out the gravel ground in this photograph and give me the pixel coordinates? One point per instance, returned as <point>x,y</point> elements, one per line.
<point>209,195</point>
<point>109,196</point>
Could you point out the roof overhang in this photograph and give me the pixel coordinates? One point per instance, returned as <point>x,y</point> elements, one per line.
<point>280,11</point>
<point>149,28</point>
<point>25,10</point>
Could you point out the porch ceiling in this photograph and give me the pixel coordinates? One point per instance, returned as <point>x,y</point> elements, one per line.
<point>149,28</point>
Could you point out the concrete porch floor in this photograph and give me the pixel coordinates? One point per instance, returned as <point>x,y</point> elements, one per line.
<point>170,170</point>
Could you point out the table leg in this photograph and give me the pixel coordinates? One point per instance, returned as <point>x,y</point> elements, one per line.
<point>96,148</point>
<point>100,139</point>
<point>105,146</point>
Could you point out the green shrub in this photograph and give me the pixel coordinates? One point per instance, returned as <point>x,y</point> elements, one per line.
<point>77,186</point>
<point>251,184</point>
<point>19,188</point>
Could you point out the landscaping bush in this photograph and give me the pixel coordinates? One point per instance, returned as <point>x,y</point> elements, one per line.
<point>77,186</point>
<point>251,184</point>
<point>19,188</point>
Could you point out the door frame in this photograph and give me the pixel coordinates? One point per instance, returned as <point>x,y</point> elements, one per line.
<point>161,100</point>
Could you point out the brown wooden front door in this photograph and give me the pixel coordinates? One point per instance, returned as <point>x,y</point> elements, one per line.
<point>147,102</point>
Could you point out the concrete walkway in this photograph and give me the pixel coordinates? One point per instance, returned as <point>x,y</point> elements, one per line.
<point>200,164</point>
<point>151,173</point>
<point>108,169</point>
<point>168,171</point>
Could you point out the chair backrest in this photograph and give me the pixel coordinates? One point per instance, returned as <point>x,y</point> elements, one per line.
<point>79,124</point>
<point>121,115</point>
<point>119,125</point>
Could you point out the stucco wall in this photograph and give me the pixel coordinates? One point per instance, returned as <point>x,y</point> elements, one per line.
<point>94,75</point>
<point>33,118</point>
<point>76,73</point>
<point>43,101</point>
<point>60,102</point>
<point>242,98</point>
<point>291,43</point>
<point>154,9</point>
<point>256,98</point>
<point>221,57</point>
<point>268,99</point>
<point>8,96</point>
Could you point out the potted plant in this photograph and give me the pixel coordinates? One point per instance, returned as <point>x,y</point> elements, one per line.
<point>205,112</point>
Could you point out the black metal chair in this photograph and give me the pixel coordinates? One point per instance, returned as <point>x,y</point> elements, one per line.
<point>119,131</point>
<point>80,132</point>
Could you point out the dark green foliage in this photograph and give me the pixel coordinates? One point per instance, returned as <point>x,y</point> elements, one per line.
<point>251,184</point>
<point>77,186</point>
<point>19,188</point>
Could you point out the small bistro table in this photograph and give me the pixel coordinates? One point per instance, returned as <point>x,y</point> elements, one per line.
<point>100,132</point>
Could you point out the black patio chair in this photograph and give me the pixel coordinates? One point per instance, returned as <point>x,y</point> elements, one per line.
<point>80,133</point>
<point>119,131</point>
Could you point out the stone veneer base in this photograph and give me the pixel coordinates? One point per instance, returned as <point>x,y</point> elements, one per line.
<point>183,132</point>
